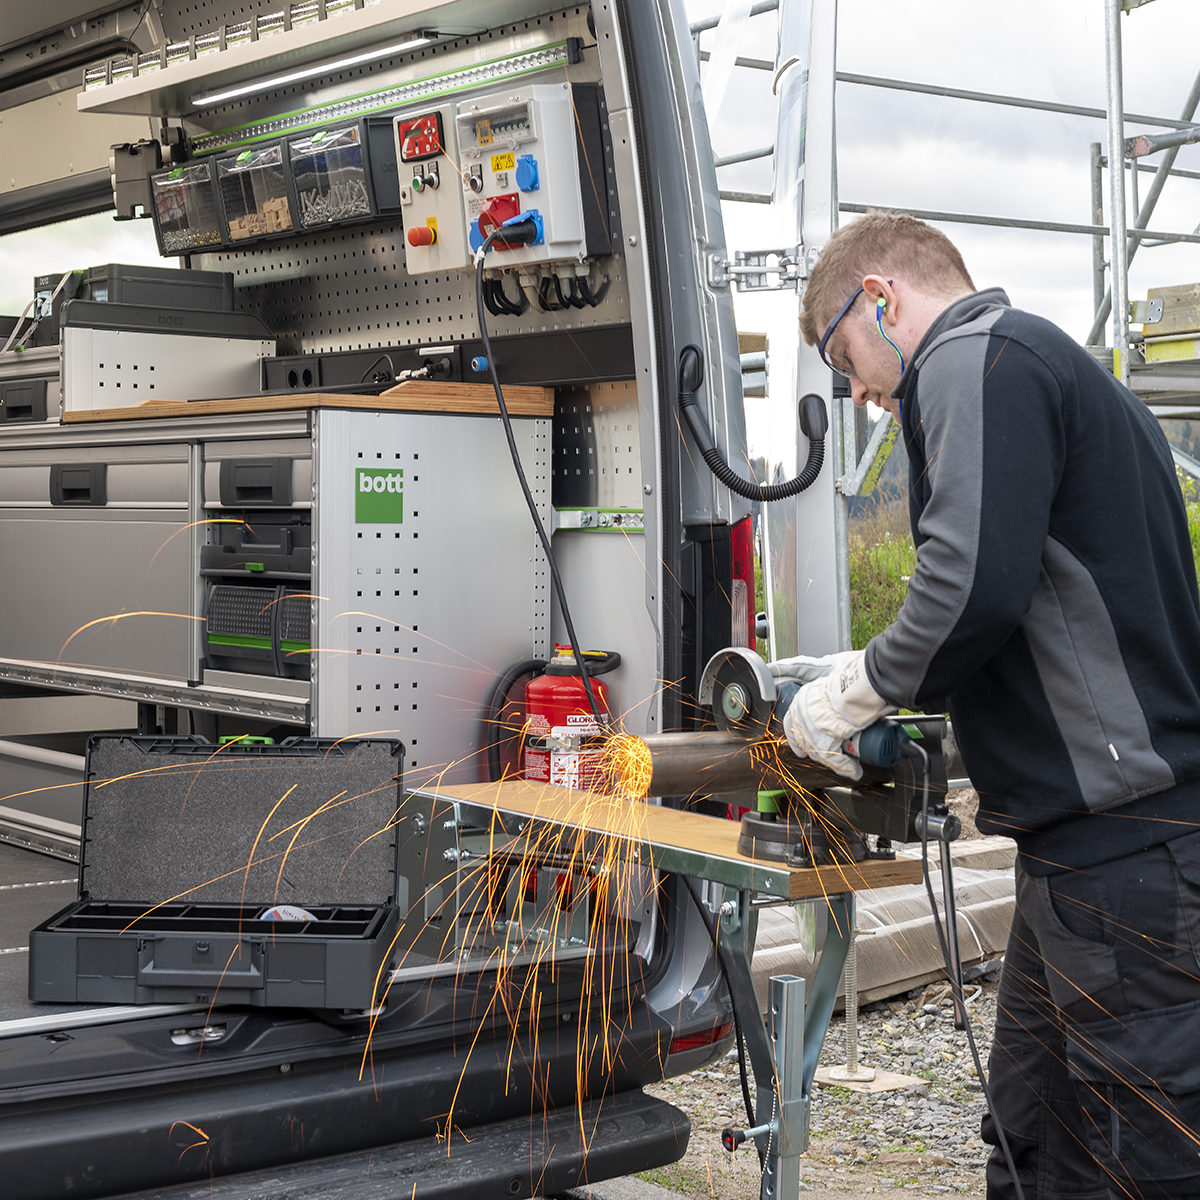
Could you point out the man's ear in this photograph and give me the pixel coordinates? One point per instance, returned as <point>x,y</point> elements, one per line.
<point>881,292</point>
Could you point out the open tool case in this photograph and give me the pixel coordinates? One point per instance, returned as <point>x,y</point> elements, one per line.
<point>186,847</point>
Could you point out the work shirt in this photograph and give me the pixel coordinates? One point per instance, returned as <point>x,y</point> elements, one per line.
<point>1054,600</point>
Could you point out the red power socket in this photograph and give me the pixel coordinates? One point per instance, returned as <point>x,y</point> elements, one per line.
<point>495,212</point>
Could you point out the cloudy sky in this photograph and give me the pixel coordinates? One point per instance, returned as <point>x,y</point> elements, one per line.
<point>904,149</point>
<point>952,155</point>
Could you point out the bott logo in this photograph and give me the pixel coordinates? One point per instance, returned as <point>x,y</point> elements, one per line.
<point>380,483</point>
<point>378,496</point>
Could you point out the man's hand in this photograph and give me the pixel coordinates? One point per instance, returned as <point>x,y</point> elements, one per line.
<point>804,668</point>
<point>831,709</point>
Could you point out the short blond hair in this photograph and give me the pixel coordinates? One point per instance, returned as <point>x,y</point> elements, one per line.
<point>879,243</point>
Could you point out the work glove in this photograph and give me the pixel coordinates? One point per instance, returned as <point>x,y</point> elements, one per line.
<point>831,709</point>
<point>804,668</point>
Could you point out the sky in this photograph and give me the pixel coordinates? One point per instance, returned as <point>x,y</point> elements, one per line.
<point>903,149</point>
<point>931,152</point>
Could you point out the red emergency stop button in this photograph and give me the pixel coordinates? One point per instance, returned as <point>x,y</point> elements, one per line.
<point>422,235</point>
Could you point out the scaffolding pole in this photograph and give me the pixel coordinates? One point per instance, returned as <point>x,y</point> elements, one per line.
<point>1116,190</point>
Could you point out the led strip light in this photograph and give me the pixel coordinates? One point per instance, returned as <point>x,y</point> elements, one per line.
<point>498,70</point>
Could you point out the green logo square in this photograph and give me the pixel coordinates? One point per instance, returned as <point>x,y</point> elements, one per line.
<point>378,496</point>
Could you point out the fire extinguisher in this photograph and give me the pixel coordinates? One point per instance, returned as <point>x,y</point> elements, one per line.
<point>563,741</point>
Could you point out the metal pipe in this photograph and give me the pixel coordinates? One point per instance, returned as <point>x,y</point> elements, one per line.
<point>712,762</point>
<point>728,160</point>
<point>1116,189</point>
<point>1073,110</point>
<point>747,197</point>
<point>929,214</point>
<point>1156,187</point>
<point>1148,169</point>
<point>1146,143</point>
<point>755,64</point>
<point>712,22</point>
<point>1097,219</point>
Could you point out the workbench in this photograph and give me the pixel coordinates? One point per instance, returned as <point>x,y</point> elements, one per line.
<point>783,1048</point>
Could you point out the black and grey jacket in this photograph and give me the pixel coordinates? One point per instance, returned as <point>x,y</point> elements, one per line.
<point>1054,600</point>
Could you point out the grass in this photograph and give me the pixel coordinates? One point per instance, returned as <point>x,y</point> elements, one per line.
<point>882,557</point>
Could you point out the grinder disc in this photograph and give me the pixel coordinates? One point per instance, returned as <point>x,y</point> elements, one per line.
<point>738,705</point>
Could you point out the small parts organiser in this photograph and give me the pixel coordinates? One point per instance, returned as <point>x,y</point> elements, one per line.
<point>186,216</point>
<point>329,171</point>
<point>345,172</point>
<point>254,193</point>
<point>191,851</point>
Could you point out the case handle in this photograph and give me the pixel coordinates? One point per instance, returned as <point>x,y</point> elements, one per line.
<point>78,485</point>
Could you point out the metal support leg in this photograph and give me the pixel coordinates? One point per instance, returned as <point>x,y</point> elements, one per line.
<point>789,1136</point>
<point>784,1053</point>
<point>852,1072</point>
<point>951,913</point>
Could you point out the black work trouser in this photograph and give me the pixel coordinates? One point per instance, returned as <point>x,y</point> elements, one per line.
<point>1095,1067</point>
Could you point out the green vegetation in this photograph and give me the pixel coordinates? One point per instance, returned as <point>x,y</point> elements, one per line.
<point>1190,486</point>
<point>882,557</point>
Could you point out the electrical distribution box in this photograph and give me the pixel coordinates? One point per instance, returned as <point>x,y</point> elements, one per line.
<point>518,157</point>
<point>431,195</point>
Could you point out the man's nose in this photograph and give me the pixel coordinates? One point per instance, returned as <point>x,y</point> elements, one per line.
<point>858,391</point>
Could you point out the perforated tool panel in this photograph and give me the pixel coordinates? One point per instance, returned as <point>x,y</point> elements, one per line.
<point>417,617</point>
<point>347,289</point>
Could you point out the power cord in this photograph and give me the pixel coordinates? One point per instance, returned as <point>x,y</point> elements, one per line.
<point>913,749</point>
<point>524,231</point>
<point>737,1024</point>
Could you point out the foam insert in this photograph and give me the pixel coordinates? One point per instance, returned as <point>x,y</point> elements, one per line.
<point>179,818</point>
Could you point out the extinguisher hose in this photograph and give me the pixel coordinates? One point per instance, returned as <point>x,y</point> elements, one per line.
<point>525,232</point>
<point>813,423</point>
<point>531,666</point>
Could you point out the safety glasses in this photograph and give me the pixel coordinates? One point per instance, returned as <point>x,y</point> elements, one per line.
<point>839,362</point>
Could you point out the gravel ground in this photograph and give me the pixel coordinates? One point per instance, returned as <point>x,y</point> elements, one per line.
<point>923,1140</point>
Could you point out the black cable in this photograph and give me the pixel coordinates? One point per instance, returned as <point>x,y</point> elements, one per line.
<point>737,1024</point>
<point>813,421</point>
<point>531,666</point>
<point>387,358</point>
<point>912,748</point>
<point>513,308</point>
<point>525,232</point>
<point>543,288</point>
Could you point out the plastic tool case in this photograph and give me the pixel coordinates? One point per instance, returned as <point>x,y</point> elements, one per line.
<point>187,846</point>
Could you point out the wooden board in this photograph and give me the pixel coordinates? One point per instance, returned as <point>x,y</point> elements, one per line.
<point>675,841</point>
<point>1181,310</point>
<point>414,396</point>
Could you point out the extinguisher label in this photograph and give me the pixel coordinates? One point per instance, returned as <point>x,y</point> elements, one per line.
<point>536,725</point>
<point>537,765</point>
<point>378,496</point>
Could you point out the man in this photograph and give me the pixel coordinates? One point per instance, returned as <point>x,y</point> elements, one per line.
<point>1054,605</point>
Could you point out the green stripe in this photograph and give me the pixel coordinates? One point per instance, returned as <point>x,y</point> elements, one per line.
<point>291,646</point>
<point>223,139</point>
<point>237,639</point>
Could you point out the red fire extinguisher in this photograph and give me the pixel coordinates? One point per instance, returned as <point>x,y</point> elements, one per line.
<point>562,744</point>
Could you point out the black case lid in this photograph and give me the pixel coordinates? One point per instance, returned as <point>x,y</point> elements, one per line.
<point>309,821</point>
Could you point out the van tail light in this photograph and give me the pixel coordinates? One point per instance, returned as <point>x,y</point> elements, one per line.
<point>707,1037</point>
<point>743,600</point>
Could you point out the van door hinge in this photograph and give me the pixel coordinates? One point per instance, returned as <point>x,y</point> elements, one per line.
<point>762,270</point>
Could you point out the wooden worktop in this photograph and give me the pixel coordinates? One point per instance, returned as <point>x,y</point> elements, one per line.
<point>469,399</point>
<point>675,840</point>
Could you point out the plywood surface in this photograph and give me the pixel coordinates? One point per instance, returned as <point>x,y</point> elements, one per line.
<point>668,835</point>
<point>413,396</point>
